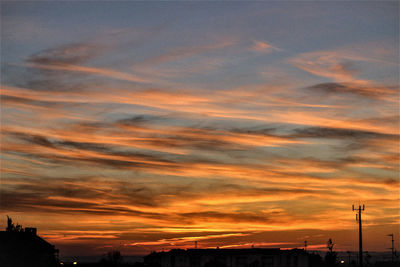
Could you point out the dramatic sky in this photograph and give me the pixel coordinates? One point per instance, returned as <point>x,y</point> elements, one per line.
<point>141,126</point>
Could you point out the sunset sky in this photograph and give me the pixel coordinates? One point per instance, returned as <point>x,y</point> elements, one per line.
<point>146,126</point>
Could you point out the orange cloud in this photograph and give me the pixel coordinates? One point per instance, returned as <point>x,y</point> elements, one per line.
<point>264,47</point>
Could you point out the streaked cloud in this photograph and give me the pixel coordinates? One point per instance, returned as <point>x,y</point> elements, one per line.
<point>377,92</point>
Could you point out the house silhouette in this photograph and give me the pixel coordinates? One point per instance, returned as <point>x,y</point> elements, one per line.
<point>21,247</point>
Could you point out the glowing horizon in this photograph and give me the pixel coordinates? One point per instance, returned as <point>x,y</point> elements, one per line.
<point>147,126</point>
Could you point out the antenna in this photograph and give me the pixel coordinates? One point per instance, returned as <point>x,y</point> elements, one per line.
<point>392,248</point>
<point>358,219</point>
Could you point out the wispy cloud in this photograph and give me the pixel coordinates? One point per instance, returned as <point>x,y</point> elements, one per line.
<point>188,51</point>
<point>89,70</point>
<point>264,47</point>
<point>334,65</point>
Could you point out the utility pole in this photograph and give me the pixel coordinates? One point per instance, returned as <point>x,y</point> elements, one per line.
<point>305,245</point>
<point>195,244</point>
<point>392,248</point>
<point>358,219</point>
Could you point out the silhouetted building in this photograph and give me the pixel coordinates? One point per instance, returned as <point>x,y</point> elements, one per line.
<point>254,257</point>
<point>21,247</point>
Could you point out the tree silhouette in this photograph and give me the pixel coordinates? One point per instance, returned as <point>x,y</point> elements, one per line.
<point>331,256</point>
<point>13,228</point>
<point>112,258</point>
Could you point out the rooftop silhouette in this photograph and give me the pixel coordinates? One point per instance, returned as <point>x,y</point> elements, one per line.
<point>22,247</point>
